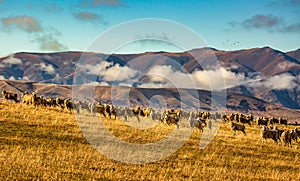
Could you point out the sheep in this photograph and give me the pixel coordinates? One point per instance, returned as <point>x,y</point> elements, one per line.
<point>38,100</point>
<point>100,109</point>
<point>9,96</point>
<point>294,135</point>
<point>60,102</point>
<point>282,121</point>
<point>84,106</point>
<point>70,105</point>
<point>237,127</point>
<point>50,102</point>
<point>92,107</point>
<point>145,112</point>
<point>171,119</point>
<point>269,134</point>
<point>195,122</point>
<point>204,115</point>
<point>121,112</point>
<point>262,121</point>
<point>273,120</point>
<point>286,137</point>
<point>280,131</point>
<point>154,115</point>
<point>184,115</point>
<point>110,110</point>
<point>132,112</point>
<point>227,118</point>
<point>27,98</point>
<point>245,119</point>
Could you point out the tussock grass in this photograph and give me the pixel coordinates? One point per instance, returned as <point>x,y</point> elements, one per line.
<point>42,143</point>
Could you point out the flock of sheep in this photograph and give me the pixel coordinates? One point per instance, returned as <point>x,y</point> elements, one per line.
<point>168,116</point>
<point>198,120</point>
<point>272,132</point>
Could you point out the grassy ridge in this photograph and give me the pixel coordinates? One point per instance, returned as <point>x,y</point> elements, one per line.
<point>40,143</point>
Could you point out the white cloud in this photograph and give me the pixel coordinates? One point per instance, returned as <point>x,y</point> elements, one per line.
<point>94,69</point>
<point>217,79</point>
<point>12,60</point>
<point>153,85</point>
<point>118,73</point>
<point>166,76</point>
<point>109,72</point>
<point>283,81</point>
<point>2,77</point>
<point>298,82</point>
<point>284,65</point>
<point>48,68</point>
<point>277,82</point>
<point>98,83</point>
<point>11,78</point>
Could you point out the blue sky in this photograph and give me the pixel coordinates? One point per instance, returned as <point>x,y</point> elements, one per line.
<point>49,25</point>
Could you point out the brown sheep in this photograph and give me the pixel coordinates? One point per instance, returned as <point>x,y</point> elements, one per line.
<point>70,105</point>
<point>227,118</point>
<point>145,112</point>
<point>133,112</point>
<point>38,100</point>
<point>237,127</point>
<point>294,134</point>
<point>50,102</point>
<point>204,115</point>
<point>59,102</point>
<point>173,112</point>
<point>269,134</point>
<point>9,96</point>
<point>286,137</point>
<point>273,120</point>
<point>195,123</point>
<point>100,109</point>
<point>171,119</point>
<point>280,131</point>
<point>110,110</point>
<point>245,119</point>
<point>282,121</point>
<point>262,121</point>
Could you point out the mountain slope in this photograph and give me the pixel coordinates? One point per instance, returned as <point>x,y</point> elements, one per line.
<point>265,73</point>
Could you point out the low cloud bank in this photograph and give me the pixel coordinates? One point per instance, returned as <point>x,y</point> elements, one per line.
<point>166,76</point>
<point>12,60</point>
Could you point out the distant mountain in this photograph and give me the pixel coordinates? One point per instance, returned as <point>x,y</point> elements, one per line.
<point>59,67</point>
<point>295,54</point>
<point>264,73</point>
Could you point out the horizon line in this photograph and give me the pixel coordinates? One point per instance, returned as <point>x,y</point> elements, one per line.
<point>129,53</point>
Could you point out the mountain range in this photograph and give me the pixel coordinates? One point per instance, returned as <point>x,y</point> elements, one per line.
<point>264,73</point>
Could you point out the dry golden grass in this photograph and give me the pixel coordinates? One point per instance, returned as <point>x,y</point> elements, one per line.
<point>47,144</point>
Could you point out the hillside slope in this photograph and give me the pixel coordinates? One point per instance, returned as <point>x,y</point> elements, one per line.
<point>47,144</point>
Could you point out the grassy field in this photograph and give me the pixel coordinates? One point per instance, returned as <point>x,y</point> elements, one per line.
<point>47,144</point>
